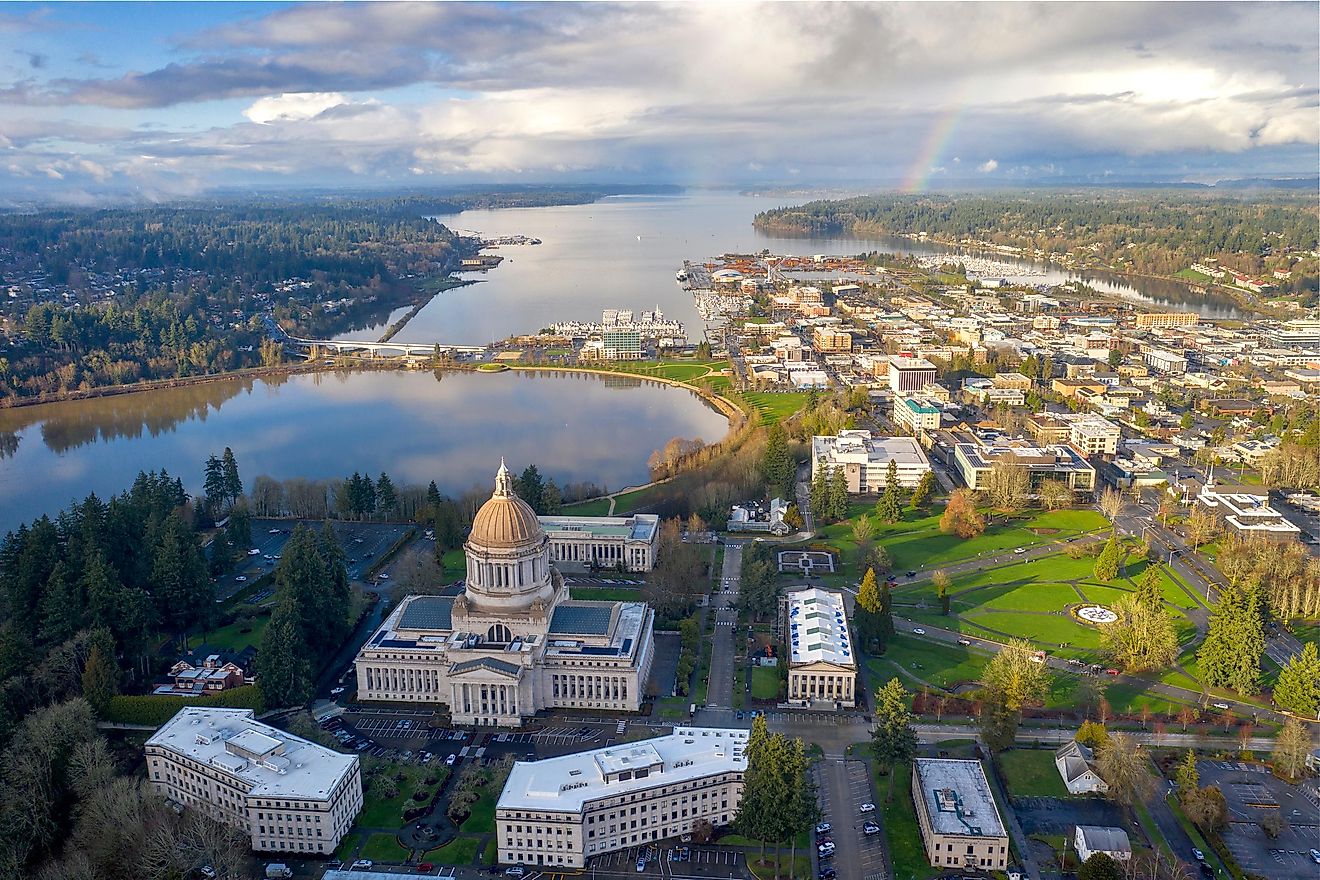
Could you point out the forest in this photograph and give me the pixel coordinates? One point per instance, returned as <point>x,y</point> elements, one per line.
<point>1149,232</point>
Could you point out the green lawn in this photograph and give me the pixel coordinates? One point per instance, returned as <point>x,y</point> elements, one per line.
<point>945,666</point>
<point>1026,597</point>
<point>1031,773</point>
<point>460,851</point>
<point>232,636</point>
<point>597,507</point>
<point>765,682</point>
<point>383,848</point>
<point>775,406</point>
<point>1042,628</point>
<point>482,817</point>
<point>1102,595</point>
<point>455,564</point>
<point>379,811</point>
<point>1306,632</point>
<point>634,500</point>
<point>608,594</point>
<point>492,853</point>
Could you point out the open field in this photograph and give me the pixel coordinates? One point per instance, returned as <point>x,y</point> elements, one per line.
<point>909,658</point>
<point>776,406</point>
<point>460,851</point>
<point>383,848</point>
<point>1031,773</point>
<point>765,682</point>
<point>236,636</point>
<point>596,507</point>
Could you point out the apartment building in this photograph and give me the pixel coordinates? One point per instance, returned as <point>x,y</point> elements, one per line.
<point>1149,320</point>
<point>287,794</point>
<point>563,811</point>
<point>822,670</point>
<point>865,459</point>
<point>916,414</point>
<point>960,824</point>
<point>827,338</point>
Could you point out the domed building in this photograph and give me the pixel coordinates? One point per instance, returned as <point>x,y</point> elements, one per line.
<point>512,642</point>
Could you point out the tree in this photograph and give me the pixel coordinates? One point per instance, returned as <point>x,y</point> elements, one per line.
<point>1142,637</point>
<point>1291,748</point>
<point>1099,866</point>
<point>1230,655</point>
<point>1011,681</point>
<point>890,506</point>
<point>680,576</point>
<point>922,492</point>
<point>1201,526</point>
<point>1008,484</point>
<point>802,811</point>
<point>552,499</point>
<point>863,530</point>
<point>1111,505</point>
<point>1206,808</point>
<point>1055,495</point>
<point>820,494</point>
<point>1123,764</point>
<point>1298,688</point>
<point>233,484</point>
<point>239,529</point>
<point>837,497</point>
<point>213,484</point>
<point>1187,776</point>
<point>1092,733</point>
<point>178,581</point>
<point>386,496</point>
<point>283,671</point>
<point>940,578</point>
<point>893,739</point>
<point>868,594</point>
<point>961,517</point>
<point>1187,420</point>
<point>1107,563</point>
<point>764,792</point>
<point>100,677</point>
<point>793,518</point>
<point>777,466</point>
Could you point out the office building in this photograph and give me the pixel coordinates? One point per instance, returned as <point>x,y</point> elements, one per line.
<point>909,373</point>
<point>1165,361</point>
<point>286,794</point>
<point>513,642</point>
<point>916,414</point>
<point>624,542</point>
<point>621,345</point>
<point>974,461</point>
<point>822,669</point>
<point>865,459</point>
<point>960,824</point>
<point>562,811</point>
<point>1246,514</point>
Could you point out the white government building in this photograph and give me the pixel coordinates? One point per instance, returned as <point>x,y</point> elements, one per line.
<point>562,811</point>
<point>287,794</point>
<point>822,670</point>
<point>624,542</point>
<point>865,459</point>
<point>513,642</point>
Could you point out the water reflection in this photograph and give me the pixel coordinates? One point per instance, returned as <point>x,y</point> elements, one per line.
<point>415,426</point>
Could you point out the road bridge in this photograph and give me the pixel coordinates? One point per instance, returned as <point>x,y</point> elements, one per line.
<point>387,349</point>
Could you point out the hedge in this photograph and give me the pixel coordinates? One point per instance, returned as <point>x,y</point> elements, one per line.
<point>145,709</point>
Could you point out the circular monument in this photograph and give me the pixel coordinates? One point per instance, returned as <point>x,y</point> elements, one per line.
<point>1095,614</point>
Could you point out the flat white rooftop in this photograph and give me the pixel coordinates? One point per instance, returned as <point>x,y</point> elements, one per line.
<point>564,784</point>
<point>957,798</point>
<point>862,448</point>
<point>818,628</point>
<point>638,527</point>
<point>301,769</point>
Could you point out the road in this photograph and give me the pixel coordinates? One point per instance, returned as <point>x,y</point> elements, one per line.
<point>719,693</point>
<point>844,786</point>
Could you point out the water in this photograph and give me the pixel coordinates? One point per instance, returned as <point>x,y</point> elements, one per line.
<point>415,427</point>
<point>622,252</point>
<point>373,332</point>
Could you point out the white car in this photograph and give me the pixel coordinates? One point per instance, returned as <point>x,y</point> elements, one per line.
<point>254,552</point>
<point>383,576</point>
<point>515,871</point>
<point>273,532</point>
<point>916,630</point>
<point>362,865</point>
<point>867,808</point>
<point>1019,550</point>
<point>242,578</point>
<point>336,691</point>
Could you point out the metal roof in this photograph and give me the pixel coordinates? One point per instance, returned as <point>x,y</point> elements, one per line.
<point>582,619</point>
<point>483,663</point>
<point>428,612</point>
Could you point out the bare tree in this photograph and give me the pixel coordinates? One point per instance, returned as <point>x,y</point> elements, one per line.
<point>1111,504</point>
<point>1201,526</point>
<point>1122,762</point>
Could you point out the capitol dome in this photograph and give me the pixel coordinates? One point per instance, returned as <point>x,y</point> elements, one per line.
<point>505,521</point>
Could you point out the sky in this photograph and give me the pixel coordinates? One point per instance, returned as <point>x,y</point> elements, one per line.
<point>156,101</point>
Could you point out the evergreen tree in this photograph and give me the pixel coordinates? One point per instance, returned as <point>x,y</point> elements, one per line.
<point>893,739</point>
<point>433,499</point>
<point>552,499</point>
<point>100,676</point>
<point>777,464</point>
<point>529,486</point>
<point>61,606</point>
<point>868,594</point>
<point>1187,776</point>
<point>179,583</point>
<point>890,506</point>
<point>838,495</point>
<point>213,485</point>
<point>922,492</point>
<point>1106,564</point>
<point>386,497</point>
<point>803,808</point>
<point>1230,655</point>
<point>1298,688</point>
<point>283,670</point>
<point>884,619</point>
<point>232,484</point>
<point>239,529</point>
<point>820,494</point>
<point>764,793</point>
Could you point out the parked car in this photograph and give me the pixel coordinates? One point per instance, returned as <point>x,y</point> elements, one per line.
<point>362,865</point>
<point>867,808</point>
<point>1220,706</point>
<point>1111,672</point>
<point>870,828</point>
<point>916,630</point>
<point>1315,856</point>
<point>449,762</point>
<point>242,579</point>
<point>824,828</point>
<point>336,691</point>
<point>254,552</point>
<point>1198,855</point>
<point>641,864</point>
<point>515,871</point>
<point>825,850</point>
<point>828,873</point>
<point>426,867</point>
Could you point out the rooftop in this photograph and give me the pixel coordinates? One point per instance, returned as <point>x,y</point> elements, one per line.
<point>818,628</point>
<point>566,783</point>
<point>957,798</point>
<point>861,447</point>
<point>639,527</point>
<point>274,763</point>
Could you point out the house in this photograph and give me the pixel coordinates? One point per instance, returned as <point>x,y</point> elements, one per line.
<point>206,671</point>
<point>1092,839</point>
<point>1076,764</point>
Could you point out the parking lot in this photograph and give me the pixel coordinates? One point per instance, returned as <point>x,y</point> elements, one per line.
<point>844,786</point>
<point>702,861</point>
<point>552,736</point>
<point>1251,792</point>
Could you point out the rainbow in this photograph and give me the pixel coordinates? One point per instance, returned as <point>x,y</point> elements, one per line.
<point>936,140</point>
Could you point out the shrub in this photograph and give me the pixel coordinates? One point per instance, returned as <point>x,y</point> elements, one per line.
<point>149,709</point>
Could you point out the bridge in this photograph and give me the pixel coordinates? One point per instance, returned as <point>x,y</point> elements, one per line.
<point>388,349</point>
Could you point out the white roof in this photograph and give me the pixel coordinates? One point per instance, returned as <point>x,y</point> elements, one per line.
<point>566,783</point>
<point>818,628</point>
<point>300,769</point>
<point>957,798</point>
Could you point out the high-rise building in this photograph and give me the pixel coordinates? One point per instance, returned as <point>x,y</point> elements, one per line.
<point>909,373</point>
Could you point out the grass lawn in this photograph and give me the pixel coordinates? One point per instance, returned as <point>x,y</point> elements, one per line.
<point>765,682</point>
<point>381,812</point>
<point>1102,595</point>
<point>1042,628</point>
<point>232,636</point>
<point>492,852</point>
<point>631,501</point>
<point>776,406</point>
<point>801,866</point>
<point>383,848</point>
<point>348,847</point>
<point>482,817</point>
<point>900,822</point>
<point>460,851</point>
<point>1026,597</point>
<point>597,507</point>
<point>943,665</point>
<point>455,563</point>
<point>1031,773</point>
<point>1306,632</point>
<point>608,594</point>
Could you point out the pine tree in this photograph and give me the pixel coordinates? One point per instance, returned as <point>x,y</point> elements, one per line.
<point>239,529</point>
<point>213,484</point>
<point>1230,655</point>
<point>386,496</point>
<point>552,499</point>
<point>1298,687</point>
<point>893,739</point>
<point>61,606</point>
<point>923,490</point>
<point>1106,564</point>
<point>283,671</point>
<point>1187,776</point>
<point>890,506</point>
<point>100,676</point>
<point>884,618</point>
<point>777,464</point>
<point>231,483</point>
<point>820,494</point>
<point>838,495</point>
<point>764,792</point>
<point>803,807</point>
<point>529,487</point>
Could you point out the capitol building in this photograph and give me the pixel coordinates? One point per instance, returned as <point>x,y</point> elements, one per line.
<point>513,642</point>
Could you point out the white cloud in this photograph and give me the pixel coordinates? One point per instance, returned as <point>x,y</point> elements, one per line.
<point>292,106</point>
<point>987,166</point>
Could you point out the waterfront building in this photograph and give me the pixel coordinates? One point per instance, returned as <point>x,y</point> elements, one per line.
<point>1147,320</point>
<point>865,459</point>
<point>960,824</point>
<point>513,642</point>
<point>562,811</point>
<point>1059,461</point>
<point>624,542</point>
<point>621,345</point>
<point>286,794</point>
<point>1245,513</point>
<point>916,414</point>
<point>909,373</point>
<point>822,668</point>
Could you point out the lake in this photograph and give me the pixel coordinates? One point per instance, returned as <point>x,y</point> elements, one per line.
<point>623,251</point>
<point>412,425</point>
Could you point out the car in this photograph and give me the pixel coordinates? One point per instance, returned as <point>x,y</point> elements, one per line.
<point>1073,661</point>
<point>273,532</point>
<point>911,574</point>
<point>825,850</point>
<point>824,828</point>
<point>267,556</point>
<point>964,641</point>
<point>1198,855</point>
<point>1111,672</point>
<point>870,828</point>
<point>449,762</point>
<point>362,865</point>
<point>357,540</point>
<point>426,867</point>
<point>242,579</point>
<point>1220,706</point>
<point>1019,550</point>
<point>641,864</point>
<point>867,808</point>
<point>828,873</point>
<point>515,871</point>
<point>739,715</point>
<point>1315,856</point>
<point>916,630</point>
<point>254,552</point>
<point>383,576</point>
<point>336,691</point>
<point>206,871</point>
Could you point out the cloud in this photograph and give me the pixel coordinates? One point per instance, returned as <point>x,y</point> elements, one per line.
<point>987,166</point>
<point>293,106</point>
